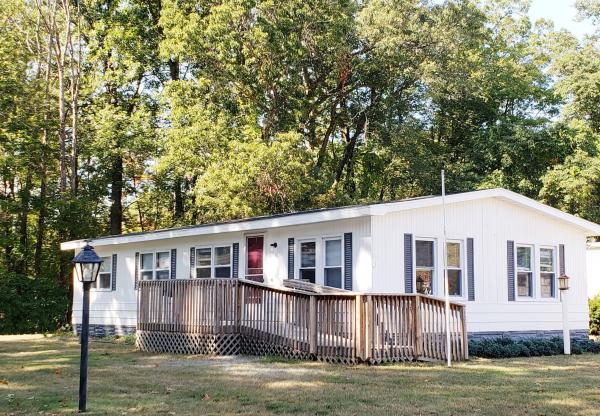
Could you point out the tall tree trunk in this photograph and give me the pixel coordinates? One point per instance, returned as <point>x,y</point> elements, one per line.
<point>25,197</point>
<point>178,183</point>
<point>116,192</point>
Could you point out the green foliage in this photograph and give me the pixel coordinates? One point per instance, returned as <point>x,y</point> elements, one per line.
<point>31,305</point>
<point>530,347</point>
<point>594,304</point>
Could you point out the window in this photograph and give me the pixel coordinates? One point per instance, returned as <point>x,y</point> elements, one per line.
<point>223,261</point>
<point>308,260</point>
<point>104,276</point>
<point>333,262</point>
<point>524,271</point>
<point>547,272</point>
<point>455,272</point>
<point>208,266</point>
<point>425,266</point>
<point>155,266</point>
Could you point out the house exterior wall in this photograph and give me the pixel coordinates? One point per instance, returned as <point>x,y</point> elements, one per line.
<point>593,270</point>
<point>378,262</point>
<point>119,308</point>
<point>490,222</point>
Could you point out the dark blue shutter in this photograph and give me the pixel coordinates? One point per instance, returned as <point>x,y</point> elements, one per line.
<point>408,263</point>
<point>348,261</point>
<point>470,269</point>
<point>173,263</point>
<point>192,262</point>
<point>113,271</point>
<point>510,263</point>
<point>136,273</point>
<point>561,266</point>
<point>290,258</point>
<point>236,260</point>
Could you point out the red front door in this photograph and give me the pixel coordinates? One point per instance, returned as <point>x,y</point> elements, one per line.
<point>254,258</point>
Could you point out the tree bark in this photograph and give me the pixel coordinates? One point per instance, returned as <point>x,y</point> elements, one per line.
<point>116,192</point>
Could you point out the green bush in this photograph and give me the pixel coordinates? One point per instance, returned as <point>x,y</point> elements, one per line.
<point>28,305</point>
<point>531,347</point>
<point>595,315</point>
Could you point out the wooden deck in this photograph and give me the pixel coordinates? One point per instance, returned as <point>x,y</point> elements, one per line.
<point>231,316</point>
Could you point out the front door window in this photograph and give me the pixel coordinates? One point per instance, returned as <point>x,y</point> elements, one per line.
<point>254,260</point>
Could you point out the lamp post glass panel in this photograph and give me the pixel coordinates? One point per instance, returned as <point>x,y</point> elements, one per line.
<point>563,285</point>
<point>87,265</point>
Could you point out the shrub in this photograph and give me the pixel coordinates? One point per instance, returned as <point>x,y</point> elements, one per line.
<point>595,315</point>
<point>530,347</point>
<point>28,305</point>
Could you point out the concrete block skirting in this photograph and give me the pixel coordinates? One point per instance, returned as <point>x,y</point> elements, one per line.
<point>575,334</point>
<point>106,330</point>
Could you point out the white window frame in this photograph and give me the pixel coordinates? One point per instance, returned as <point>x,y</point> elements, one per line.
<point>554,271</point>
<point>230,264</point>
<point>213,260</point>
<point>299,267</point>
<point>462,268</point>
<point>324,262</point>
<point>434,273</point>
<point>109,272</point>
<point>532,270</point>
<point>154,268</point>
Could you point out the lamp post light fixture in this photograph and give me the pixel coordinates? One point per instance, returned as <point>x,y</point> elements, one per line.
<point>563,285</point>
<point>87,266</point>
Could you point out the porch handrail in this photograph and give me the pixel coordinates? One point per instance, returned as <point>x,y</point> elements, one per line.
<point>342,326</point>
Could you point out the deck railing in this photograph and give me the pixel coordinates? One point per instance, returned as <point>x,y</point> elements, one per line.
<point>226,316</point>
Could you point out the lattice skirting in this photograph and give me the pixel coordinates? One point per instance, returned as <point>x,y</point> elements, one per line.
<point>183,343</point>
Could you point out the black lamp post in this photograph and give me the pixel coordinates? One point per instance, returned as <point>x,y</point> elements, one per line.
<point>87,265</point>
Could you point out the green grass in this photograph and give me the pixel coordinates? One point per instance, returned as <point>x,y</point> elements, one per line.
<point>39,375</point>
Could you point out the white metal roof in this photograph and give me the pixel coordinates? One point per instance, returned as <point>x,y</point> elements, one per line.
<point>330,214</point>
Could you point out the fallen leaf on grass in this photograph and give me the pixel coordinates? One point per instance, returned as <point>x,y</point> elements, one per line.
<point>206,397</point>
<point>2,381</point>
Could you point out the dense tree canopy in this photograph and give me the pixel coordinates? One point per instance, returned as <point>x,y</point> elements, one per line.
<point>120,116</point>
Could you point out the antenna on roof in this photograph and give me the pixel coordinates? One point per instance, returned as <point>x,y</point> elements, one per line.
<point>446,288</point>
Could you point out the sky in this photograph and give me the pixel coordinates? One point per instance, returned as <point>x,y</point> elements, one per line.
<point>563,13</point>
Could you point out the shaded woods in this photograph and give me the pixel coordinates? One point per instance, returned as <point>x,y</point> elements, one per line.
<point>121,116</point>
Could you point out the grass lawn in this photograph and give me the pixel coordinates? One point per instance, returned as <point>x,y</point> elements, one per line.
<point>39,375</point>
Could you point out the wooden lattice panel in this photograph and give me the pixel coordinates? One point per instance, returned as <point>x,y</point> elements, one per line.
<point>255,346</point>
<point>185,343</point>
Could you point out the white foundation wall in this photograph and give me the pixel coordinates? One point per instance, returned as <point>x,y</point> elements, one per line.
<point>490,222</point>
<point>593,270</point>
<point>119,307</point>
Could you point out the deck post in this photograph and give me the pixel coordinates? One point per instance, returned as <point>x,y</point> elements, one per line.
<point>368,327</point>
<point>312,325</point>
<point>418,327</point>
<point>238,305</point>
<point>360,327</point>
<point>463,327</point>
